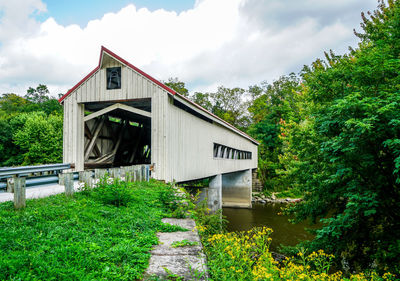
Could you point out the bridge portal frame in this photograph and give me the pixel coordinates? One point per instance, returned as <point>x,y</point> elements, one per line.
<point>183,135</point>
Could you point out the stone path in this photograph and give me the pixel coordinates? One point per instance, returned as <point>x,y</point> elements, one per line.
<point>38,192</point>
<point>188,262</point>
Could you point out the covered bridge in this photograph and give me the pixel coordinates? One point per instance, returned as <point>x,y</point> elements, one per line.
<point>118,116</point>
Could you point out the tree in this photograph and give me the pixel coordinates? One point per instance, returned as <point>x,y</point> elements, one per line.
<point>202,100</point>
<point>345,152</point>
<point>38,95</point>
<point>177,86</point>
<point>230,105</point>
<point>12,103</point>
<point>40,138</point>
<point>15,111</point>
<point>272,106</point>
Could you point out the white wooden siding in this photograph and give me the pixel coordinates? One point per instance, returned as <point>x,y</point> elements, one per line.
<point>191,146</point>
<point>181,143</point>
<point>133,86</point>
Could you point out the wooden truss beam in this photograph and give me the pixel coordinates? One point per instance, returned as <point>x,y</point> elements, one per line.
<point>135,147</point>
<point>114,107</point>
<point>89,135</point>
<point>109,157</point>
<point>94,138</point>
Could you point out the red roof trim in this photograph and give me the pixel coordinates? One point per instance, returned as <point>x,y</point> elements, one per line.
<point>215,116</point>
<point>79,83</point>
<point>138,70</point>
<point>104,49</point>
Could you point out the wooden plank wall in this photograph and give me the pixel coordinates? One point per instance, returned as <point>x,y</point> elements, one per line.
<point>181,143</point>
<point>134,86</point>
<point>191,143</point>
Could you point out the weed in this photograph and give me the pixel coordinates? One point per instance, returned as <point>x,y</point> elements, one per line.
<point>184,243</point>
<point>166,227</point>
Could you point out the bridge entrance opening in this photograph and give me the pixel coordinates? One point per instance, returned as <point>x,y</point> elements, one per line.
<point>117,133</point>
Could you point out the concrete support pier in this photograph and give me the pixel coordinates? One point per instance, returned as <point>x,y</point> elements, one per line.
<point>214,196</point>
<point>236,189</point>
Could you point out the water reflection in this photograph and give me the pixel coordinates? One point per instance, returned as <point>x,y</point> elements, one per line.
<point>284,233</point>
<point>239,219</point>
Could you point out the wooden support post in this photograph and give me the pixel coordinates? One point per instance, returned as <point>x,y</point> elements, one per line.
<point>138,173</point>
<point>133,174</point>
<point>19,193</point>
<point>99,173</point>
<point>143,170</point>
<point>126,173</point>
<point>115,173</point>
<point>69,184</point>
<point>61,179</point>
<point>86,177</point>
<point>10,184</point>
<point>147,173</point>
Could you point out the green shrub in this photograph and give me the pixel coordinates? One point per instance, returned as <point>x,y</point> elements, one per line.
<point>114,192</point>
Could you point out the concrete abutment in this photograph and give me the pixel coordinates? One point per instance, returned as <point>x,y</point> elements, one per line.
<point>230,190</point>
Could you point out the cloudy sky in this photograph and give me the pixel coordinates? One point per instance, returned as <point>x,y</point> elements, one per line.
<point>205,43</point>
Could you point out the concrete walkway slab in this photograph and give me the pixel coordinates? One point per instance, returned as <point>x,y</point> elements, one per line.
<point>188,262</point>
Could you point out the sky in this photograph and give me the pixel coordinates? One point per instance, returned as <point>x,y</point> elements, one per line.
<point>204,43</point>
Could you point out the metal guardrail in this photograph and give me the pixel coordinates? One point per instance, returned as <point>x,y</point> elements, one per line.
<point>30,182</point>
<point>34,174</point>
<point>27,170</point>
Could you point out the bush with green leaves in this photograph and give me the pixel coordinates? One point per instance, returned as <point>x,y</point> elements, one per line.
<point>114,192</point>
<point>345,153</point>
<point>39,138</point>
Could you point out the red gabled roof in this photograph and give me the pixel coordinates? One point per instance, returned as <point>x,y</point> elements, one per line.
<point>168,89</point>
<point>104,49</point>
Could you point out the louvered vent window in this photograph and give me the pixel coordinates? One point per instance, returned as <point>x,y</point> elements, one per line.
<point>225,152</point>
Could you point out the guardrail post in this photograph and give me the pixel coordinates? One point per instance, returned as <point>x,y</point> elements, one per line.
<point>10,185</point>
<point>69,184</point>
<point>19,193</point>
<point>61,179</point>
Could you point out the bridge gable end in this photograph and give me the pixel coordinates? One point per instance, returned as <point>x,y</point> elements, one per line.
<point>134,83</point>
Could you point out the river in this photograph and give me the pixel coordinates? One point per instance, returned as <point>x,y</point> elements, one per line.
<point>240,219</point>
<point>284,233</point>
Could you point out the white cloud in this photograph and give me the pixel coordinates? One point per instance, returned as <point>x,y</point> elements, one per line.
<point>217,42</point>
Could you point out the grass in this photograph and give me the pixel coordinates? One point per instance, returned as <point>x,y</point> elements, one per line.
<point>105,233</point>
<point>184,243</point>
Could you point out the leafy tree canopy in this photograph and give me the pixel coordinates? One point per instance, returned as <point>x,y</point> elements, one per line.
<point>345,152</point>
<point>177,86</point>
<point>23,135</point>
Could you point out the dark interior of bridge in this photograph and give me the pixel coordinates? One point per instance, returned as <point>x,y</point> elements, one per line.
<point>118,137</point>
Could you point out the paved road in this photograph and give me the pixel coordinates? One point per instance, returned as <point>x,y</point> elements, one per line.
<point>38,192</point>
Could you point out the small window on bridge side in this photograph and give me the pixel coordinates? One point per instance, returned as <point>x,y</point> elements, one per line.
<point>216,147</point>
<point>225,152</point>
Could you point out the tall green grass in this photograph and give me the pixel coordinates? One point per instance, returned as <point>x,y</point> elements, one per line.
<point>100,234</point>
